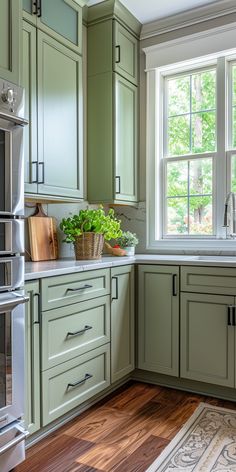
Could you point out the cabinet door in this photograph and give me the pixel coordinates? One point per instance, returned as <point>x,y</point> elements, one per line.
<point>126,140</point>
<point>10,40</point>
<point>207,342</point>
<point>122,322</point>
<point>28,80</point>
<point>32,400</point>
<point>63,20</point>
<point>158,319</point>
<point>126,53</point>
<point>60,119</point>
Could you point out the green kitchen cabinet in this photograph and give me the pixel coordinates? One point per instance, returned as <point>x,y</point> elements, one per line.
<point>32,350</point>
<point>112,104</point>
<point>122,322</point>
<point>61,19</point>
<point>207,340</point>
<point>29,81</point>
<point>52,77</point>
<point>10,33</point>
<point>158,319</point>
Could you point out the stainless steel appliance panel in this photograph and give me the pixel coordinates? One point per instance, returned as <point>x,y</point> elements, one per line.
<point>11,273</point>
<point>12,447</point>
<point>11,236</point>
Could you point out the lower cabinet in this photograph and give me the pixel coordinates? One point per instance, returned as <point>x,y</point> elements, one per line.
<point>207,339</point>
<point>71,383</point>
<point>122,322</point>
<point>158,319</point>
<point>32,390</point>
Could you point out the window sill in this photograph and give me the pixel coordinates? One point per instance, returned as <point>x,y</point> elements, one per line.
<point>193,245</point>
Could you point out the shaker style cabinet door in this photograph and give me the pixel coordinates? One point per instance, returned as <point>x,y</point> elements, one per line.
<point>207,342</point>
<point>125,53</point>
<point>29,82</point>
<point>122,322</point>
<point>32,397</point>
<point>61,19</point>
<point>126,140</point>
<point>60,119</point>
<point>158,319</point>
<point>10,40</point>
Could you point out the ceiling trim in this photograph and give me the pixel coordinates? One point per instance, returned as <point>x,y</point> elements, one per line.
<point>188,18</point>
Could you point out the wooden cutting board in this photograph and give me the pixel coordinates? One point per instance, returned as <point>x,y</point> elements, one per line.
<point>42,236</point>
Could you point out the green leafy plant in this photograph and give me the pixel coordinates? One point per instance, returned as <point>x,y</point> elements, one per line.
<point>127,239</point>
<point>95,221</point>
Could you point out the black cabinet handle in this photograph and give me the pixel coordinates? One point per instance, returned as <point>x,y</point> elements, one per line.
<point>117,293</point>
<point>79,288</point>
<point>39,8</point>
<point>118,180</point>
<point>118,49</point>
<point>35,180</point>
<point>34,7</point>
<point>81,331</point>
<point>42,179</point>
<point>80,382</point>
<point>229,315</point>
<point>233,315</point>
<point>174,285</point>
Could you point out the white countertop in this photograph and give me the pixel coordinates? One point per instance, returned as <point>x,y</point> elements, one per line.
<point>36,270</point>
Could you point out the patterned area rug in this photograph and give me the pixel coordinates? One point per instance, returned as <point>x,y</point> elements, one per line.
<point>206,443</point>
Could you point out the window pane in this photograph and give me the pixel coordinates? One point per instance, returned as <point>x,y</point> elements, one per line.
<point>200,176</point>
<point>200,215</point>
<point>178,135</point>
<point>234,84</point>
<point>177,216</point>
<point>234,128</point>
<point>204,91</point>
<point>178,96</point>
<point>233,173</point>
<point>177,178</point>
<point>203,132</point>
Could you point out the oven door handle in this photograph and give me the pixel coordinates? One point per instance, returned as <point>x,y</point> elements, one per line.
<point>13,119</point>
<point>9,304</point>
<point>21,437</point>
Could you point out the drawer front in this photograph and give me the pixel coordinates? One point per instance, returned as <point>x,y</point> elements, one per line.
<point>73,330</point>
<point>218,280</point>
<point>70,384</point>
<point>73,288</point>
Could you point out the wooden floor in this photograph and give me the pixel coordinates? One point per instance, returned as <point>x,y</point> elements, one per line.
<point>124,433</point>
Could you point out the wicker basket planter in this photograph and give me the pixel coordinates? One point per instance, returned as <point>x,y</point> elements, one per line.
<point>89,246</point>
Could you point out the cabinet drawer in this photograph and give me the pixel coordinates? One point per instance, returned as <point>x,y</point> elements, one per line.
<point>208,280</point>
<point>64,290</point>
<point>70,384</point>
<point>73,330</point>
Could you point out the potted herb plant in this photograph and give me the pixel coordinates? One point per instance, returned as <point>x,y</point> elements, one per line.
<point>128,241</point>
<point>88,230</point>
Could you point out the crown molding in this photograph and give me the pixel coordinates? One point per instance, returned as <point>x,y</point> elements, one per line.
<point>188,18</point>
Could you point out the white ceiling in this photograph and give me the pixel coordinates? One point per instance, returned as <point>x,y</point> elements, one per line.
<point>150,10</point>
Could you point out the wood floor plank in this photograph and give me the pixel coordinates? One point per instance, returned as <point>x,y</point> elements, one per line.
<point>123,433</point>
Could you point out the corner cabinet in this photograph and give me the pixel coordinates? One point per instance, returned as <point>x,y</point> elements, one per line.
<point>112,105</point>
<point>52,77</point>
<point>61,19</point>
<point>122,322</point>
<point>158,319</point>
<point>10,31</point>
<point>32,349</point>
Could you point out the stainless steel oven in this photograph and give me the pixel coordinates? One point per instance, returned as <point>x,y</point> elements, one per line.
<point>12,299</point>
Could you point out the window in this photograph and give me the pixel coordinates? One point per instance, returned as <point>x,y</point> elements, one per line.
<point>189,130</point>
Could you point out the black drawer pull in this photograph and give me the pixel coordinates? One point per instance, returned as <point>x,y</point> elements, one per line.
<point>81,331</point>
<point>229,315</point>
<point>174,285</point>
<point>79,288</point>
<point>233,309</point>
<point>118,180</point>
<point>117,292</point>
<point>80,382</point>
<point>118,49</point>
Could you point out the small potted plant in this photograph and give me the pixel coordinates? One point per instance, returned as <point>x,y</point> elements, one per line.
<point>128,241</point>
<point>88,230</point>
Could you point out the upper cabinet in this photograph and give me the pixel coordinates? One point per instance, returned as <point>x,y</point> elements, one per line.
<point>112,104</point>
<point>61,19</point>
<point>53,144</point>
<point>10,30</point>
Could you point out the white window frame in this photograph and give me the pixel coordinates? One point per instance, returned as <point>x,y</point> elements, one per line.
<point>219,48</point>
